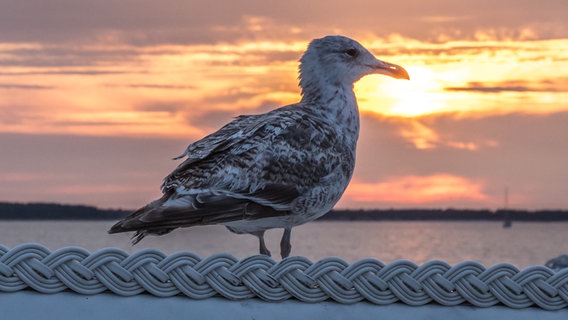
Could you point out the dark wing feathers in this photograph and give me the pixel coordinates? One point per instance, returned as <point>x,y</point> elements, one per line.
<point>206,189</point>
<point>208,208</point>
<point>230,134</point>
<point>207,152</point>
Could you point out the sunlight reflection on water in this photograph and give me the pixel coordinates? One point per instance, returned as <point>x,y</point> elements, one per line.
<point>523,245</point>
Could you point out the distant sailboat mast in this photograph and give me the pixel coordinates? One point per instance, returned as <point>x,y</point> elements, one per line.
<point>507,222</point>
<point>506,198</point>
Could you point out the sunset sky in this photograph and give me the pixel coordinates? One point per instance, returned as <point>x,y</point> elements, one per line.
<point>96,97</point>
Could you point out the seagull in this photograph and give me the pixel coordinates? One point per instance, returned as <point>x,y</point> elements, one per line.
<point>279,169</point>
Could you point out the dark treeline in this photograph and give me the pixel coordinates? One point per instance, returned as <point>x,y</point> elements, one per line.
<point>447,214</point>
<point>50,211</point>
<point>53,211</point>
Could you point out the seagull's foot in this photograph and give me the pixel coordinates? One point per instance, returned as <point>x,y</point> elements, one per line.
<point>265,251</point>
<point>285,245</point>
<point>262,245</point>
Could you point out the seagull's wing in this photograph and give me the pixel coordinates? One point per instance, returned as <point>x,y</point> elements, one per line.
<point>288,146</point>
<point>254,167</point>
<point>233,132</point>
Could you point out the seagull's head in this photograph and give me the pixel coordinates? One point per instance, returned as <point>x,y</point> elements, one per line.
<point>338,59</point>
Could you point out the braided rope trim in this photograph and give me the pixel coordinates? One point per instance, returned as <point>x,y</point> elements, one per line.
<point>36,267</point>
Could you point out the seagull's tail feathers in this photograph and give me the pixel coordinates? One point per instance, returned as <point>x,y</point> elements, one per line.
<point>135,222</point>
<point>168,213</point>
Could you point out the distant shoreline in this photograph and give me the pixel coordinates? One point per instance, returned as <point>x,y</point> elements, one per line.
<point>54,211</point>
<point>500,215</point>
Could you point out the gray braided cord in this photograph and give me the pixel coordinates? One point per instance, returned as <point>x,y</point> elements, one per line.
<point>72,268</point>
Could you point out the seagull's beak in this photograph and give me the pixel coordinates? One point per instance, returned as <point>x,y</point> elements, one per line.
<point>389,69</point>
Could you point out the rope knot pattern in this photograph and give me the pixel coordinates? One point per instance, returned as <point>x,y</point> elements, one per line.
<point>73,268</point>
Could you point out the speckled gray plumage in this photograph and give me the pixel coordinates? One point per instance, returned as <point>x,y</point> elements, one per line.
<point>274,170</point>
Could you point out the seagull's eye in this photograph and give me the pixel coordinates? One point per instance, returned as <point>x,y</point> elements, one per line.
<point>352,52</point>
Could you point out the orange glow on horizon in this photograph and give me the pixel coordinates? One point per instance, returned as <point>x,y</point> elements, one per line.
<point>415,190</point>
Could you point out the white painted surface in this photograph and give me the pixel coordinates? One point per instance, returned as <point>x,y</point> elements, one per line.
<point>67,305</point>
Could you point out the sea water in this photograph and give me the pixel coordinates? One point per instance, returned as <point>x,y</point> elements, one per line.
<point>523,245</point>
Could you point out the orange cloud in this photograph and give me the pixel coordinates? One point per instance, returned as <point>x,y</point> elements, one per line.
<point>425,137</point>
<point>419,134</point>
<point>416,190</point>
<point>470,77</point>
<point>424,134</point>
<point>99,89</point>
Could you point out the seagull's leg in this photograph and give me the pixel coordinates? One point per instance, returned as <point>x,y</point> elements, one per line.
<point>263,249</point>
<point>285,246</point>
